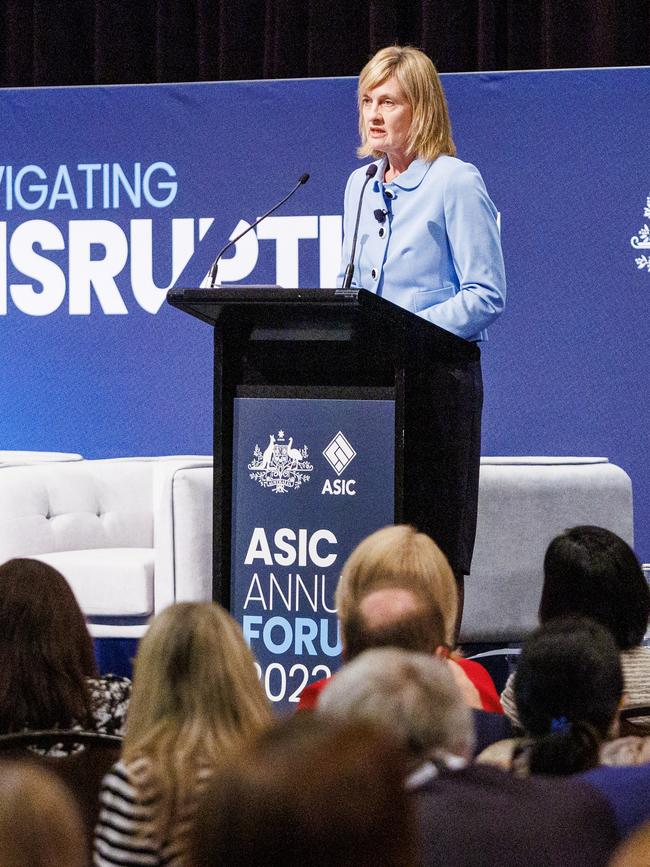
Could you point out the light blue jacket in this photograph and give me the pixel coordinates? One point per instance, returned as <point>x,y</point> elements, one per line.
<point>438,252</point>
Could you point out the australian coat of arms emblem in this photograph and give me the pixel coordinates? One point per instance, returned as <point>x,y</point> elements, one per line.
<point>280,466</point>
<point>641,241</point>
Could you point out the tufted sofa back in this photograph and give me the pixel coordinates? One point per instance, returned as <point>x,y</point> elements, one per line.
<point>75,505</point>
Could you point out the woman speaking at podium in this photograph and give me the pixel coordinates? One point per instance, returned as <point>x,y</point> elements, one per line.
<point>427,239</point>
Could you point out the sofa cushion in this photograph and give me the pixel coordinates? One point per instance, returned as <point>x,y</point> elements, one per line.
<point>115,582</point>
<point>70,506</point>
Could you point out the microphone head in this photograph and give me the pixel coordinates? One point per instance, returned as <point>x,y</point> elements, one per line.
<point>371,171</point>
<point>303,178</point>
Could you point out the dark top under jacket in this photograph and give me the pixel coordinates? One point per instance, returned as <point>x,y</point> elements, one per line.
<point>481,815</point>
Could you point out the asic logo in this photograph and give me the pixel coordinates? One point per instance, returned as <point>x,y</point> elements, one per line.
<point>339,454</point>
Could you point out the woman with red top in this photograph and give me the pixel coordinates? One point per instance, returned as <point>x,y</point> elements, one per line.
<point>420,613</point>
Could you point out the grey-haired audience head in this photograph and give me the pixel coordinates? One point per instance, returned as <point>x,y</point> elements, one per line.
<point>413,695</point>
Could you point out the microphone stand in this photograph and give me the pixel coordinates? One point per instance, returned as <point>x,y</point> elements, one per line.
<point>371,171</point>
<point>215,265</point>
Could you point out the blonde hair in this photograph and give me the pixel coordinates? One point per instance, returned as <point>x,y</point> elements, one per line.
<point>430,132</point>
<point>39,819</point>
<point>398,556</point>
<point>196,699</point>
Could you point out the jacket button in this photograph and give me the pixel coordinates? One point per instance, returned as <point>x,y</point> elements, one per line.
<point>381,232</point>
<point>374,273</point>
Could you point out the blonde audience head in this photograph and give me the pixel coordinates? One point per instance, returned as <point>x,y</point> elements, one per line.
<point>398,556</point>
<point>39,822</point>
<point>196,699</point>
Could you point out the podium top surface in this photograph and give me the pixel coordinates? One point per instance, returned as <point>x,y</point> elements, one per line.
<point>259,294</point>
<point>314,308</point>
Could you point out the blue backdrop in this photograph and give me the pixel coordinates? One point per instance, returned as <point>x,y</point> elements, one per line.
<point>111,194</point>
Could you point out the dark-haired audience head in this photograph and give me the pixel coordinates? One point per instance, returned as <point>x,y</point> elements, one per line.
<point>568,688</point>
<point>40,824</point>
<point>46,652</point>
<point>413,695</point>
<point>310,792</point>
<point>592,572</point>
<point>398,556</point>
<point>393,617</point>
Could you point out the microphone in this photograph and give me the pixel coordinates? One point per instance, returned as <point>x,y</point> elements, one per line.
<point>380,215</point>
<point>371,171</point>
<point>215,265</point>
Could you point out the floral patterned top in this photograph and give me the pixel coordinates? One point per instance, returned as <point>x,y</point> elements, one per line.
<point>109,701</point>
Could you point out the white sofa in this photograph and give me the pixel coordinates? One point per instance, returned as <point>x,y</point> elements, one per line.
<point>21,458</point>
<point>523,503</point>
<point>130,535</point>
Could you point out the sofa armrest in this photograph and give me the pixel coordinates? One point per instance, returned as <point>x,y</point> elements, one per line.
<point>182,507</point>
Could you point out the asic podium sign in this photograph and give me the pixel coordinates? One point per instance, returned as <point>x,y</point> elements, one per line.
<point>300,505</point>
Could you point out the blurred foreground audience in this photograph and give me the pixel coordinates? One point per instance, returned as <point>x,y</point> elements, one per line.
<point>49,673</point>
<point>382,773</point>
<point>591,572</point>
<point>569,689</point>
<point>310,793</point>
<point>467,814</point>
<point>196,700</point>
<point>400,558</point>
<point>39,822</point>
<point>635,851</point>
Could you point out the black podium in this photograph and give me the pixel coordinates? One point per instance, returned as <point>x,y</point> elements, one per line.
<point>335,344</point>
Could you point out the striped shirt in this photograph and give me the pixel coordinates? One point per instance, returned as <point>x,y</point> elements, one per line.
<point>122,834</point>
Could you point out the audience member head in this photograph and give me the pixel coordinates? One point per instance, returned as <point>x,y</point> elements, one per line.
<point>398,556</point>
<point>634,851</point>
<point>592,572</point>
<point>393,617</point>
<point>196,698</point>
<point>46,652</point>
<point>310,792</point>
<point>568,688</point>
<point>413,695</point>
<point>39,822</point>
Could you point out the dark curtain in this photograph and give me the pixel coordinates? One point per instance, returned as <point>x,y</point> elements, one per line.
<point>59,42</point>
